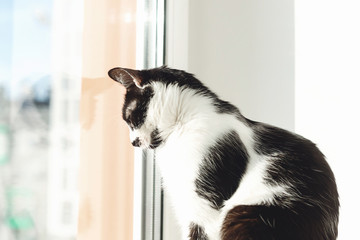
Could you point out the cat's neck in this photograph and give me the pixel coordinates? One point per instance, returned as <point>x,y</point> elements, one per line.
<point>187,111</point>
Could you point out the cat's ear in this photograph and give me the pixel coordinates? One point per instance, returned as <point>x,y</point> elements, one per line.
<point>127,77</point>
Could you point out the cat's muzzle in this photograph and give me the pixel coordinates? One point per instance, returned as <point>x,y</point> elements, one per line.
<point>136,142</point>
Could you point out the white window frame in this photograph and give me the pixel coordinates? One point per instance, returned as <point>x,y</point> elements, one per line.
<point>150,34</point>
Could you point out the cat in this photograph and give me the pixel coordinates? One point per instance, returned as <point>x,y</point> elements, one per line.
<point>228,177</point>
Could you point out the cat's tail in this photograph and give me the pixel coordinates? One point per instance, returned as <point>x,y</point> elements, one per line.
<point>246,222</point>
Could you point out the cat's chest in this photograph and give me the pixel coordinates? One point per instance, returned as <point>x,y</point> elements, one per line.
<point>178,165</point>
<point>180,158</point>
<point>179,169</point>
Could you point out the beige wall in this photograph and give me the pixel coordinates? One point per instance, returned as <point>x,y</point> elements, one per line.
<point>106,165</point>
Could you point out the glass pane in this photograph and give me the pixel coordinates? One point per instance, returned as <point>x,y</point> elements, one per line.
<point>39,98</point>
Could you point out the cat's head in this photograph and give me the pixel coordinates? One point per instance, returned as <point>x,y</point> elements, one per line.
<point>143,133</point>
<point>157,101</point>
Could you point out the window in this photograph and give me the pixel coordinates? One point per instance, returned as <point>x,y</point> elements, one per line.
<point>39,127</point>
<point>119,195</point>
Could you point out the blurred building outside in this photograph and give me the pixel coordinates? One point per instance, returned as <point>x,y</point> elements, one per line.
<point>39,129</point>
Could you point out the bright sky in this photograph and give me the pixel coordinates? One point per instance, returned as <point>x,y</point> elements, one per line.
<point>25,42</point>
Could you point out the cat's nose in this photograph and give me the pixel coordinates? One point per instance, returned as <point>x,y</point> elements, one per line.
<point>136,142</point>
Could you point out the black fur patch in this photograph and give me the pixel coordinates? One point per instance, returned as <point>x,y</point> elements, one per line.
<point>298,163</point>
<point>197,232</point>
<point>142,97</point>
<point>221,170</point>
<point>156,140</point>
<point>245,222</point>
<point>170,76</point>
<point>227,108</point>
<point>181,78</point>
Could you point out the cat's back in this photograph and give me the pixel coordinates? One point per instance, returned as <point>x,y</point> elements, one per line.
<point>296,162</point>
<point>302,198</point>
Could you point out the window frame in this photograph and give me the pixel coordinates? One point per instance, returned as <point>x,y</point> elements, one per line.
<point>148,194</point>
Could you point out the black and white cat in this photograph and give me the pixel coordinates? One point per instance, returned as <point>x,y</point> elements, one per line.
<point>228,177</point>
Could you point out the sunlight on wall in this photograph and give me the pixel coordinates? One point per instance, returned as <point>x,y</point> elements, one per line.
<point>327,93</point>
<point>106,155</point>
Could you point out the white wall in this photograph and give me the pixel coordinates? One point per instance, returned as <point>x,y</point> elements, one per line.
<point>327,93</point>
<point>244,50</point>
